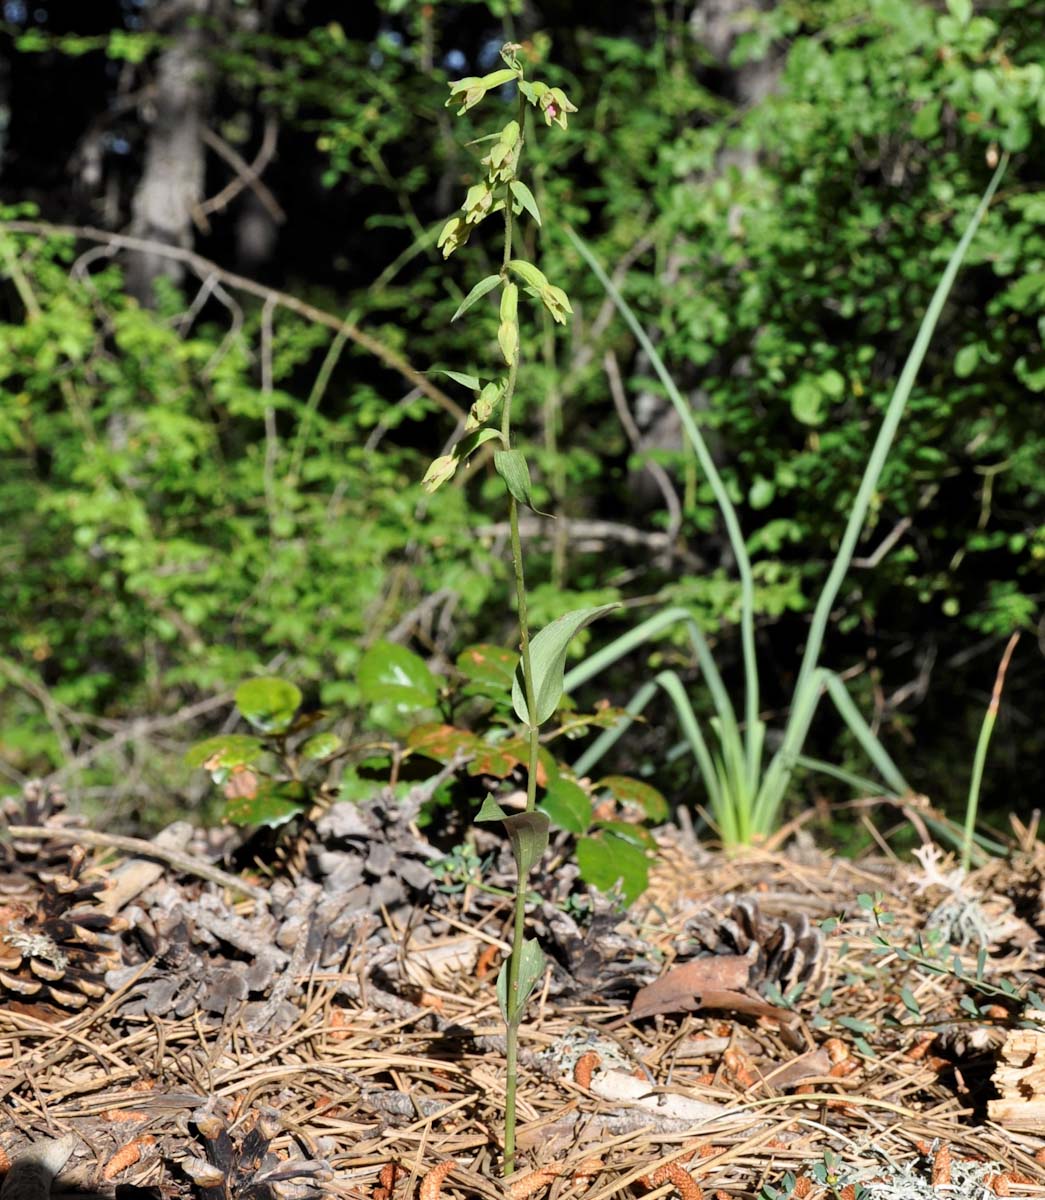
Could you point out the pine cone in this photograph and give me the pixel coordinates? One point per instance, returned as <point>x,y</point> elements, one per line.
<point>22,861</point>
<point>245,1169</point>
<point>53,946</point>
<point>784,952</point>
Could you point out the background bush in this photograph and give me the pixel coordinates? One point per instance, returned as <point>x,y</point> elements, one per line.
<point>195,485</point>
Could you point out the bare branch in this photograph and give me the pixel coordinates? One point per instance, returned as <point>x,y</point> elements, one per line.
<point>248,175</point>
<point>659,475</point>
<point>204,267</point>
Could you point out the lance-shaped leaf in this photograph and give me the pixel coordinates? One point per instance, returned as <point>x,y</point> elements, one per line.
<point>525,197</point>
<point>548,662</point>
<point>531,967</point>
<point>472,382</point>
<point>527,831</point>
<point>477,293</point>
<point>512,468</point>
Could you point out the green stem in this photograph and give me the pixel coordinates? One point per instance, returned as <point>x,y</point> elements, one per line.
<point>519,925</point>
<point>989,717</point>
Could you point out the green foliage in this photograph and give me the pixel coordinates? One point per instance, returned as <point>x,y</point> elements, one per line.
<point>273,778</point>
<point>746,795</point>
<point>773,249</point>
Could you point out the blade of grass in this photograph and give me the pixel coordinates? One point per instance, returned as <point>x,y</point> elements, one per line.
<point>980,757</point>
<point>608,655</point>
<point>795,731</point>
<point>695,742</point>
<point>718,488</point>
<point>859,783</point>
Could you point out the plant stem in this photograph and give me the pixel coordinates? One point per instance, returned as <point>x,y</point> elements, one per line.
<point>519,925</point>
<point>989,717</point>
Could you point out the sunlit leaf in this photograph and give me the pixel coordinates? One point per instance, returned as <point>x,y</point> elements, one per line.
<point>568,806</point>
<point>389,673</point>
<point>269,704</point>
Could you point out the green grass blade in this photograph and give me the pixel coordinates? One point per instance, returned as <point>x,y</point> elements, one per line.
<point>980,758</point>
<point>649,628</point>
<point>695,742</point>
<point>863,733</point>
<point>794,734</point>
<point>858,783</point>
<point>718,488</point>
<point>887,432</point>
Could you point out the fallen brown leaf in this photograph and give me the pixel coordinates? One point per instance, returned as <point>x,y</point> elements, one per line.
<point>682,989</point>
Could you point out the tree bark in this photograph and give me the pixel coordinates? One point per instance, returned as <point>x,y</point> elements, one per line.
<point>171,185</point>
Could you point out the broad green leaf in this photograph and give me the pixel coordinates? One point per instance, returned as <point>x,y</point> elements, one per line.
<point>626,790</point>
<point>548,661</point>
<point>354,790</point>
<point>441,742</point>
<point>392,674</point>
<point>493,758</point>
<point>761,492</point>
<point>476,294</point>
<point>606,861</point>
<point>527,831</point>
<point>961,10</point>
<point>807,402</point>
<point>525,197</point>
<point>273,804</point>
<point>321,745</point>
<point>269,704</point>
<point>627,831</point>
<point>966,360</point>
<point>531,968</point>
<point>512,467</point>
<point>225,750</point>
<point>568,806</point>
<point>487,664</point>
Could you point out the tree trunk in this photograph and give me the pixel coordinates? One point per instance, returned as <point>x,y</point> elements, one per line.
<point>172,181</point>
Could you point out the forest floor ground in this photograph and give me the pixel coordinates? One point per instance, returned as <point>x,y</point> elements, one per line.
<point>241,1052</point>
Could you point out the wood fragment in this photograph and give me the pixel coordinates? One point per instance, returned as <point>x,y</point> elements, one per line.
<point>1020,1081</point>
<point>32,1171</point>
